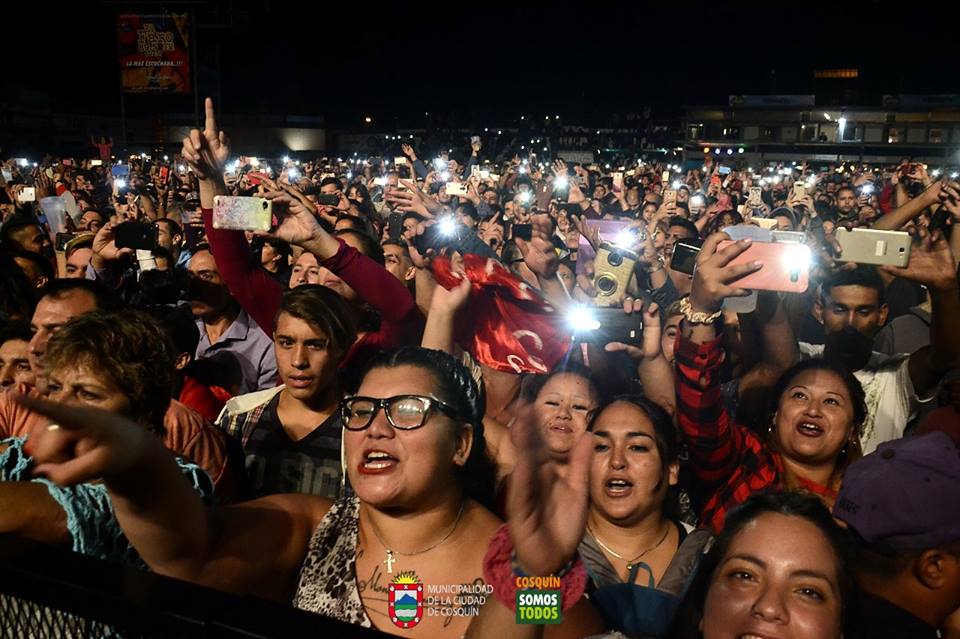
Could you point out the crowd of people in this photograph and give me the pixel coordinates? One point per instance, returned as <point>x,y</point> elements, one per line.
<point>300,379</point>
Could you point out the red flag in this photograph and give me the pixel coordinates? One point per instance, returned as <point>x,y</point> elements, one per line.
<point>507,325</point>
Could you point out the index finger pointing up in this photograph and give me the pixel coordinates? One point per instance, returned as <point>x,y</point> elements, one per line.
<point>211,123</point>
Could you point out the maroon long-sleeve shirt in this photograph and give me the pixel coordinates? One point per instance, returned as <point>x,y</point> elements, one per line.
<point>401,322</point>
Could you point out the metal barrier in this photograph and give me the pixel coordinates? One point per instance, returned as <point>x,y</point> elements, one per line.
<point>52,593</point>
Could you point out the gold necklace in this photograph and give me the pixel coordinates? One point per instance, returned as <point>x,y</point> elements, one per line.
<point>630,562</point>
<point>390,553</point>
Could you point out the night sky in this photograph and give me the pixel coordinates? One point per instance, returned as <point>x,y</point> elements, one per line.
<point>497,60</point>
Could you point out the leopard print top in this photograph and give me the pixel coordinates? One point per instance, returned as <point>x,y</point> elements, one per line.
<point>328,582</point>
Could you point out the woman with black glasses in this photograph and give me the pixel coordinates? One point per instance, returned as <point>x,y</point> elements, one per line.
<point>415,456</point>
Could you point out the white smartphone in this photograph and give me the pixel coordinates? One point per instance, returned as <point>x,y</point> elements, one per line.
<point>28,194</point>
<point>456,188</point>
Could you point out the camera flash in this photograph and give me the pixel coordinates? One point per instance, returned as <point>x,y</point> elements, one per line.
<point>581,318</point>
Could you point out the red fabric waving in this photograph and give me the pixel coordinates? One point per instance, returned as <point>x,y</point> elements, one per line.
<point>507,325</point>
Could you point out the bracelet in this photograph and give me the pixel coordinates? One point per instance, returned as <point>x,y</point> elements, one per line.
<point>498,572</point>
<point>697,317</point>
<point>518,571</point>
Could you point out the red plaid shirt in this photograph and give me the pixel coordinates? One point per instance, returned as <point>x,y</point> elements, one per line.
<point>728,460</point>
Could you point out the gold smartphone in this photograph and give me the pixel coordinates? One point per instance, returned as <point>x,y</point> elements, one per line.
<point>613,268</point>
<point>869,246</point>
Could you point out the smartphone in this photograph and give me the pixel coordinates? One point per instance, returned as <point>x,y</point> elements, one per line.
<point>669,197</point>
<point>724,170</point>
<point>756,196</point>
<point>28,194</point>
<point>611,325</point>
<point>522,231</point>
<point>456,188</point>
<point>715,180</point>
<point>939,220</point>
<point>475,139</point>
<point>395,226</point>
<point>242,213</point>
<point>789,237</point>
<point>684,258</point>
<point>437,237</point>
<point>613,268</point>
<point>618,181</point>
<point>799,190</point>
<point>786,267</point>
<point>136,235</point>
<point>380,181</point>
<point>61,240</point>
<point>474,171</point>
<point>400,159</point>
<point>164,174</point>
<point>325,199</point>
<point>665,177</point>
<point>868,246</point>
<point>96,162</point>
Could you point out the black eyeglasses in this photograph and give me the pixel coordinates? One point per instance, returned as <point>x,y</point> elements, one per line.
<point>404,412</point>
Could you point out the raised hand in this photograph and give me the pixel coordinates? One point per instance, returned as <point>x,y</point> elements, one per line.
<point>539,254</point>
<point>650,346</point>
<point>449,301</point>
<point>713,277</point>
<point>546,511</point>
<point>931,263</point>
<point>207,152</point>
<point>408,151</point>
<point>408,201</point>
<point>104,244</point>
<point>299,223</point>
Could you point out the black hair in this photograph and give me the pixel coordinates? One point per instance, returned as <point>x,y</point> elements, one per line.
<point>331,180</point>
<point>469,210</point>
<point>15,330</point>
<point>665,437</point>
<point>17,295</point>
<point>174,228</point>
<point>368,246</point>
<point>456,387</point>
<point>863,275</point>
<point>857,396</point>
<point>790,504</point>
<point>676,220</point>
<point>533,384</point>
<point>787,213</point>
<point>42,263</point>
<point>104,298</point>
<point>323,309</point>
<point>410,215</point>
<point>179,325</point>
<point>13,224</point>
<point>366,206</point>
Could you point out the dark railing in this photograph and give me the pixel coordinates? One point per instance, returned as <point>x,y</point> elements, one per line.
<point>48,593</point>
